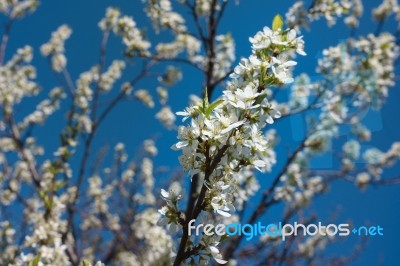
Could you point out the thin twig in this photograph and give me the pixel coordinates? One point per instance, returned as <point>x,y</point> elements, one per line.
<point>5,38</point>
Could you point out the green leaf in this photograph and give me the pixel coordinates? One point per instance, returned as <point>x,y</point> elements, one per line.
<point>224,238</point>
<point>260,98</point>
<point>59,184</point>
<point>36,261</point>
<point>198,110</point>
<point>277,23</point>
<point>205,100</point>
<point>48,203</point>
<point>212,106</point>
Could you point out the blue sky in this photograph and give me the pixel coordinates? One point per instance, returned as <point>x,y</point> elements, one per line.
<point>132,123</point>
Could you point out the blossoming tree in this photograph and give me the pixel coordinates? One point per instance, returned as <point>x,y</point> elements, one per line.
<point>56,210</point>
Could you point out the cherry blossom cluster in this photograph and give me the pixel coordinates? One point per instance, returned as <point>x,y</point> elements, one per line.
<point>231,118</point>
<point>18,8</point>
<point>55,48</point>
<point>163,16</point>
<point>225,55</point>
<point>312,244</point>
<point>20,74</point>
<point>385,9</point>
<point>362,68</point>
<point>299,15</point>
<point>126,28</point>
<point>224,138</point>
<point>182,42</point>
<point>374,159</point>
<point>298,189</point>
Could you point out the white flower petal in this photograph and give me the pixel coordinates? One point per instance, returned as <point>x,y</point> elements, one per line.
<point>164,193</point>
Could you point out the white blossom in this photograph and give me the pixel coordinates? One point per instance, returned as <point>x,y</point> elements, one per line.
<point>55,50</point>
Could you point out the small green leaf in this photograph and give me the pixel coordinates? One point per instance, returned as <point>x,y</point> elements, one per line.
<point>260,98</point>
<point>224,238</point>
<point>198,110</point>
<point>58,185</point>
<point>36,261</point>
<point>205,100</point>
<point>212,106</point>
<point>48,203</point>
<point>277,23</point>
